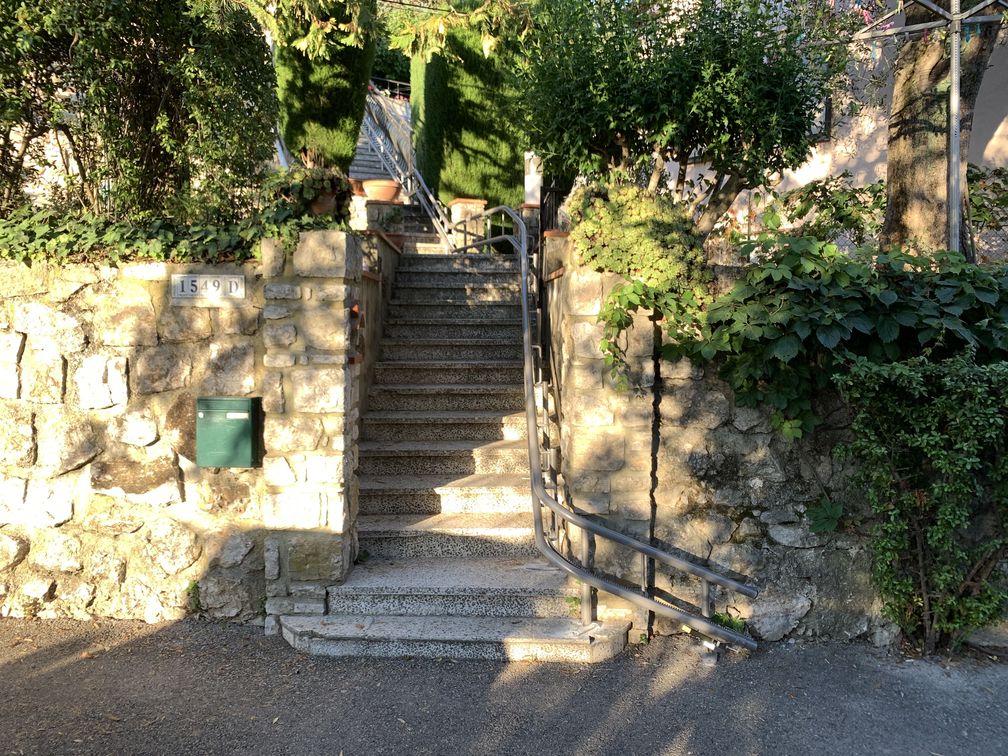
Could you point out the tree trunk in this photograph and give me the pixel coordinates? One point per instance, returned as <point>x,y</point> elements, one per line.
<point>917,180</point>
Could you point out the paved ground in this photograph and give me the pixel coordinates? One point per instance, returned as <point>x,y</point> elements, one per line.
<point>192,687</point>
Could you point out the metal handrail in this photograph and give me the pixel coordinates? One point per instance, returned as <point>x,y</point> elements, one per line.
<point>399,162</point>
<point>543,499</point>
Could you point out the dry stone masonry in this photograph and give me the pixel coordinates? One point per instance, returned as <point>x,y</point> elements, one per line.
<point>103,510</point>
<point>673,458</point>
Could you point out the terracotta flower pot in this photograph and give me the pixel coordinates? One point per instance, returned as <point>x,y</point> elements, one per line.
<point>383,190</point>
<point>357,187</point>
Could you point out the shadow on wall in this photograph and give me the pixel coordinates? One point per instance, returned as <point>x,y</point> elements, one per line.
<point>673,461</point>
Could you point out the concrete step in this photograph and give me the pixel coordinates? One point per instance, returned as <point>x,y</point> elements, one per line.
<point>447,494</point>
<point>450,349</point>
<point>492,311</point>
<point>448,425</point>
<point>433,397</point>
<point>491,534</point>
<point>470,372</point>
<point>457,278</point>
<point>465,293</point>
<point>455,588</point>
<point>489,263</point>
<point>442,457</point>
<point>505,639</point>
<point>446,328</point>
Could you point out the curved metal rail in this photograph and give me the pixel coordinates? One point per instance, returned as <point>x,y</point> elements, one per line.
<point>543,499</point>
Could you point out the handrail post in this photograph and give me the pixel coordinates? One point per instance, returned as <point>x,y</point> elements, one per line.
<point>589,613</point>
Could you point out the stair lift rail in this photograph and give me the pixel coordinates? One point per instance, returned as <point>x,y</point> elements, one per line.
<point>561,514</point>
<point>393,145</point>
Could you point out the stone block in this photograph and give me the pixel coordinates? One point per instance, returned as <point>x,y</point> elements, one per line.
<point>328,254</point>
<point>598,450</point>
<point>101,381</point>
<point>160,369</point>
<point>287,433</point>
<point>221,597</point>
<point>39,589</point>
<point>332,292</point>
<point>13,549</point>
<point>235,321</point>
<point>49,503</point>
<point>11,347</point>
<point>135,428</point>
<point>634,505</point>
<point>43,375</point>
<point>695,404</point>
<point>587,482</point>
<point>108,515</point>
<point>154,481</point>
<point>273,256</point>
<point>181,324</point>
<point>773,615</point>
<point>324,468</point>
<point>295,510</point>
<point>282,360</point>
<point>271,558</point>
<point>682,370</point>
<point>582,292</point>
<point>58,552</point>
<point>281,291</point>
<point>279,335</point>
<point>324,328</point>
<point>276,311</point>
<point>234,550</point>
<point>17,436</point>
<point>294,605</point>
<point>123,315</point>
<point>48,328</point>
<point>230,369</point>
<point>272,392</point>
<point>10,381</point>
<point>588,409</point>
<point>751,418</point>
<point>592,504</point>
<point>314,558</point>
<point>178,425</point>
<point>105,565</point>
<point>586,338</point>
<point>149,271</point>
<point>277,472</point>
<point>318,389</point>
<point>172,545</point>
<point>65,441</point>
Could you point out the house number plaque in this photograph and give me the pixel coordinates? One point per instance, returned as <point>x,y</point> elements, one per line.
<point>206,290</point>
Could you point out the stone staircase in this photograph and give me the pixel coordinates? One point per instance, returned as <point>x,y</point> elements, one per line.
<point>451,567</point>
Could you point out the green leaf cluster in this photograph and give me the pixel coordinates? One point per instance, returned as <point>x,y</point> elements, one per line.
<point>931,443</point>
<point>29,235</point>
<point>650,241</point>
<point>787,328</point>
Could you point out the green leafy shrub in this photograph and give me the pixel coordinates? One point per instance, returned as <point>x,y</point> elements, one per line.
<point>647,239</point>
<point>464,134</point>
<point>783,332</point>
<point>931,444</point>
<point>29,234</point>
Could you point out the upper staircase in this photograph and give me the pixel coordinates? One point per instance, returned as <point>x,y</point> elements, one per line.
<point>449,565</point>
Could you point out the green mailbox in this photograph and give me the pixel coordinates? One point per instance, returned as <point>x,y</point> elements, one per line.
<point>228,431</point>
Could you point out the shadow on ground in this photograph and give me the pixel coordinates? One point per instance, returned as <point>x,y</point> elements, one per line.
<point>197,687</point>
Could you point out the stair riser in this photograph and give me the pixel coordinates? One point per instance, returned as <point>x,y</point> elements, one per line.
<point>486,650</point>
<point>431,545</point>
<point>437,605</point>
<point>463,463</point>
<point>469,263</point>
<point>433,502</point>
<point>383,430</point>
<point>387,401</point>
<point>455,311</point>
<point>454,279</point>
<point>450,352</point>
<point>473,295</point>
<point>385,374</point>
<point>432,332</point>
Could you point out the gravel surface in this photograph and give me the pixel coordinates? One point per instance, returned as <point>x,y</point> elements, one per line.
<point>200,688</point>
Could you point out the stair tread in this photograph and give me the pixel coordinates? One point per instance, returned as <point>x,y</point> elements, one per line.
<point>449,363</point>
<point>439,389</point>
<point>396,340</point>
<point>453,321</point>
<point>447,575</point>
<point>440,416</point>
<point>396,483</point>
<point>472,524</point>
<point>439,447</point>
<point>559,630</point>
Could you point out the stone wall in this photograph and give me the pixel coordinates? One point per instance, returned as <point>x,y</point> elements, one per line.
<point>103,510</point>
<point>672,458</point>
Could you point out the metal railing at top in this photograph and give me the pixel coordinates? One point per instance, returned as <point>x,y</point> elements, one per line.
<point>563,517</point>
<point>392,141</point>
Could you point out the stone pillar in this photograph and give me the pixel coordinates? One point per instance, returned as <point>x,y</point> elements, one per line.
<point>311,400</point>
<point>530,214</point>
<point>462,210</point>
